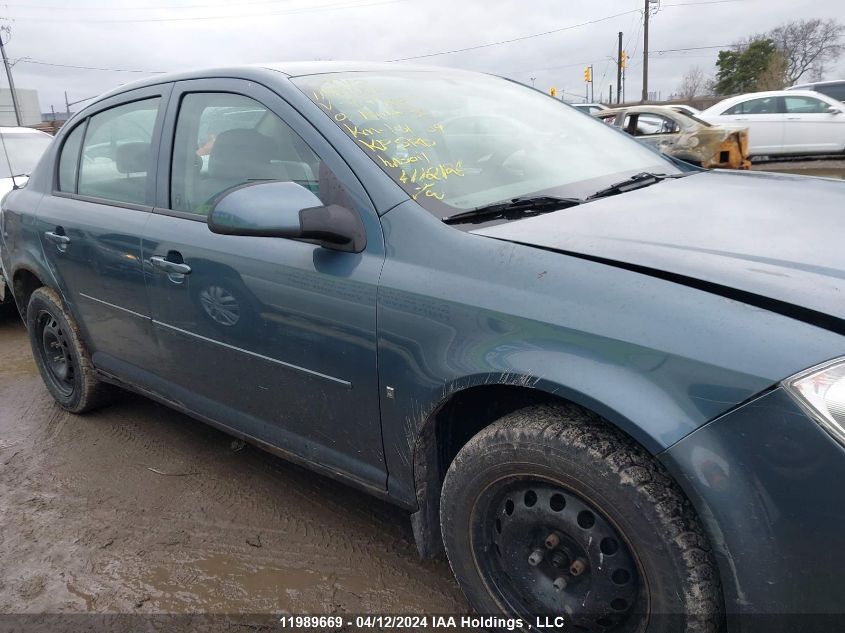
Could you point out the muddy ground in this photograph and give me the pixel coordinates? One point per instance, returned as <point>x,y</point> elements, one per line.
<point>139,509</point>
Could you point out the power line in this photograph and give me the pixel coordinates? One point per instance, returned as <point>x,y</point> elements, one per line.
<point>116,70</point>
<point>514,39</point>
<point>231,16</point>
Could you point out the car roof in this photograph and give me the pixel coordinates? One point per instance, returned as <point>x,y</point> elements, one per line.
<point>287,69</point>
<point>808,85</point>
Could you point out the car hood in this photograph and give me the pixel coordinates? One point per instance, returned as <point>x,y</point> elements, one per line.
<point>771,240</point>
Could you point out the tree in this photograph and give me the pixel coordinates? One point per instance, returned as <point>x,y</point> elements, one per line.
<point>808,45</point>
<point>693,84</point>
<point>741,69</point>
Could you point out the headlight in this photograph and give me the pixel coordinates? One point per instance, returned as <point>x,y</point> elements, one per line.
<point>821,391</point>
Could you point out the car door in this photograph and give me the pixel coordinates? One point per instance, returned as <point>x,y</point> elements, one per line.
<point>764,118</point>
<point>810,126</point>
<point>272,337</point>
<point>91,224</point>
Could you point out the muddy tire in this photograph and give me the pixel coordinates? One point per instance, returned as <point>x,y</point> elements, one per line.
<point>550,511</point>
<point>61,356</point>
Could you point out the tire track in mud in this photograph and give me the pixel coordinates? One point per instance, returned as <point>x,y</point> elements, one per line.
<point>84,525</point>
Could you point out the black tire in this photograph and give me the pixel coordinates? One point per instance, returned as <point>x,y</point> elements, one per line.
<point>517,474</point>
<point>61,356</point>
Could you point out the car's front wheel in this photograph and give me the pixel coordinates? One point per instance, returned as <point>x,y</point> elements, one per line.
<point>61,356</point>
<point>552,513</point>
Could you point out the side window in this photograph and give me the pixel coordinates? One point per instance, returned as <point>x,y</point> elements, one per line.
<point>835,91</point>
<point>650,124</point>
<point>805,105</point>
<point>117,152</point>
<point>69,159</point>
<point>766,105</point>
<point>225,140</point>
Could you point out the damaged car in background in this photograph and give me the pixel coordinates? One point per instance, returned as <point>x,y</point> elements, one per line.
<point>682,135</point>
<point>609,384</point>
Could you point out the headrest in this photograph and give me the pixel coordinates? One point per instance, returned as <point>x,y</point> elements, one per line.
<point>132,158</point>
<point>241,152</point>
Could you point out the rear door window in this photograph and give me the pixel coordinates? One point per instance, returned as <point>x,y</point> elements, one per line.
<point>117,158</point>
<point>69,159</point>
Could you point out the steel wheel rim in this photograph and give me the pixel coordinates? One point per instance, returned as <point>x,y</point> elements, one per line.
<point>220,305</point>
<point>54,348</point>
<point>522,567</point>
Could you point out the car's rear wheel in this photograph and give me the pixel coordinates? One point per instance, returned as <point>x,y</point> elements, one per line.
<point>61,356</point>
<point>551,512</point>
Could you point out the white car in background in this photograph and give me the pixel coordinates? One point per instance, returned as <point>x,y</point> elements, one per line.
<point>784,122</point>
<point>20,150</point>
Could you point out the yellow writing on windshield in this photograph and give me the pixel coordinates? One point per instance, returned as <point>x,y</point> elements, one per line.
<point>404,138</point>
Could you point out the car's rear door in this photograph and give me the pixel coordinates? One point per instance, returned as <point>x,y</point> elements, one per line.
<point>90,225</point>
<point>810,126</point>
<point>273,337</point>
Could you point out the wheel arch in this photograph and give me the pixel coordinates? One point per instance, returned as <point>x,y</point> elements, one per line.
<point>26,279</point>
<point>468,406</point>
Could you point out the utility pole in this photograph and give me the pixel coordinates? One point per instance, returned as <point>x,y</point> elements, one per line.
<point>619,71</point>
<point>532,82</point>
<point>592,86</point>
<point>67,106</point>
<point>9,75</point>
<point>610,94</point>
<point>646,12</point>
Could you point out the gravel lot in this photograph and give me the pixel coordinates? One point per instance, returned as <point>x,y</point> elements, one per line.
<point>138,509</point>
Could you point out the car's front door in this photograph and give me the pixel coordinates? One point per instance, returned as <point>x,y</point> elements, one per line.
<point>763,116</point>
<point>811,127</point>
<point>273,337</point>
<point>91,224</point>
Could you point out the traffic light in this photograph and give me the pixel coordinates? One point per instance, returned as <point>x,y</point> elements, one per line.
<point>588,74</point>
<point>553,91</point>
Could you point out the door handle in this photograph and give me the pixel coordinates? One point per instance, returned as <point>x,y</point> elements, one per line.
<point>57,238</point>
<point>170,267</point>
<point>793,118</point>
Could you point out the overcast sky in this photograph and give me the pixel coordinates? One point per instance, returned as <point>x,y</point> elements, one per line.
<point>166,35</point>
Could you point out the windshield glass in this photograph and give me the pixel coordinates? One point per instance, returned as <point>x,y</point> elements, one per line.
<point>23,149</point>
<point>457,140</point>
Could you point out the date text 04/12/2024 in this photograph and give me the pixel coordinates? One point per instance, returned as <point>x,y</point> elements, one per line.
<point>410,622</point>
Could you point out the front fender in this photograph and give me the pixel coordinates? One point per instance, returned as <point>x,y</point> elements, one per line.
<point>657,358</point>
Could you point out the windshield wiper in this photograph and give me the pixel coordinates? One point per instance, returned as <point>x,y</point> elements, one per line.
<point>512,209</point>
<point>637,181</point>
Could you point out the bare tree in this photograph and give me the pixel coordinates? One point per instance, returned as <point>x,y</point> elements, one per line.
<point>693,84</point>
<point>807,45</point>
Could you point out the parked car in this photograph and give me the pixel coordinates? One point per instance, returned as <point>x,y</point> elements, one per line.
<point>610,383</point>
<point>682,135</point>
<point>835,89</point>
<point>785,122</point>
<point>589,108</point>
<point>19,152</point>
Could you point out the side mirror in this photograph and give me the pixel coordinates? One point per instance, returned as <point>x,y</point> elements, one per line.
<point>286,209</point>
<point>833,110</point>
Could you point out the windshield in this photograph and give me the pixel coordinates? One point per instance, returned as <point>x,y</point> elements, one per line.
<point>457,140</point>
<point>23,149</point>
